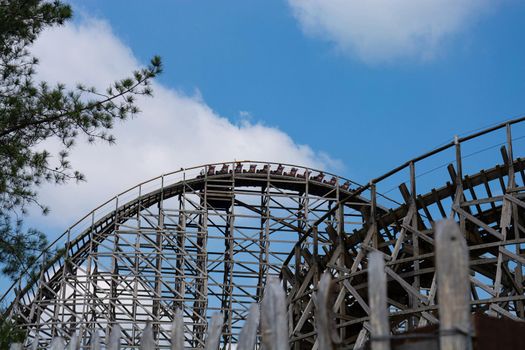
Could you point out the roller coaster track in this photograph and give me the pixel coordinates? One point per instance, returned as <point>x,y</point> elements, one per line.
<point>206,238</point>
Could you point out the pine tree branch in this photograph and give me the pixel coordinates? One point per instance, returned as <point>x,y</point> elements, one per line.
<point>50,119</point>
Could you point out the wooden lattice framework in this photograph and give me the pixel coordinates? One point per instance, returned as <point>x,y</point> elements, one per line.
<point>489,207</point>
<point>205,239</point>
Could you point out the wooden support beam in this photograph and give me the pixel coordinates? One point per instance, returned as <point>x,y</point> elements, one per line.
<point>478,222</point>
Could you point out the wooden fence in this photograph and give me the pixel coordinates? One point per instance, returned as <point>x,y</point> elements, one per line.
<point>269,320</point>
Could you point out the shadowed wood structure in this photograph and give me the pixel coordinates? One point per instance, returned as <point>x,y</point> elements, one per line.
<point>206,239</point>
<point>489,208</point>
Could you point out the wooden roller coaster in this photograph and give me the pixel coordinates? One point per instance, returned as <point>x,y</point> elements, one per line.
<point>206,239</point>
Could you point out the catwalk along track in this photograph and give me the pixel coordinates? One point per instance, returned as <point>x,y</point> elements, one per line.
<point>205,239</point>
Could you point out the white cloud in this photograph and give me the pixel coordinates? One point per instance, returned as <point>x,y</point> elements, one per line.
<point>173,131</point>
<point>383,30</point>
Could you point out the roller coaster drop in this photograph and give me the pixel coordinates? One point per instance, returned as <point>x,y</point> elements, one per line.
<point>206,239</point>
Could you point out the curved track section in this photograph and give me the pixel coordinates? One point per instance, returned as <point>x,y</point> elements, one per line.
<point>204,241</point>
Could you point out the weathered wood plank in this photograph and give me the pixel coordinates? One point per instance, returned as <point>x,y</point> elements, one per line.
<point>147,341</point>
<point>213,336</point>
<point>274,324</point>
<point>453,287</point>
<point>324,322</point>
<point>248,335</point>
<point>380,329</point>
<point>177,331</point>
<point>113,339</point>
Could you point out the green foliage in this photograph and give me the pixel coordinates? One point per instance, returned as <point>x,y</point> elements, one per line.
<point>19,248</point>
<point>10,332</point>
<point>31,112</point>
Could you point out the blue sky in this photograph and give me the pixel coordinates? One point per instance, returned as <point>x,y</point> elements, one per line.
<point>354,87</point>
<point>253,56</point>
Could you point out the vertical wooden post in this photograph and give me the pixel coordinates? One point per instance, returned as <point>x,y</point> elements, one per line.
<point>213,336</point>
<point>177,331</point>
<point>459,166</point>
<point>57,343</point>
<point>373,203</point>
<point>94,343</point>
<point>379,327</point>
<point>113,338</point>
<point>147,340</point>
<point>453,287</point>
<point>324,322</point>
<point>273,324</point>
<point>414,302</point>
<point>458,198</point>
<point>315,250</point>
<point>248,334</point>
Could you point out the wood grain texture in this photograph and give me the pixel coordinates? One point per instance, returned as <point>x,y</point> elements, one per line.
<point>379,327</point>
<point>453,286</point>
